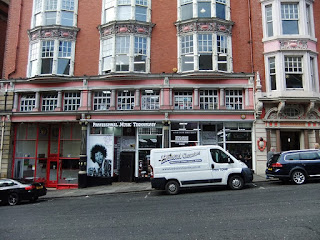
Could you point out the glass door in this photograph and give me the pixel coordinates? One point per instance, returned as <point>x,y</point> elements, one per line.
<point>52,170</point>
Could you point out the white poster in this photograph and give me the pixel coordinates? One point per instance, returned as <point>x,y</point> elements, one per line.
<point>100,156</point>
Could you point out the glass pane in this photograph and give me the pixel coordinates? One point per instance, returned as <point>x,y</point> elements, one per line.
<point>124,12</point>
<point>290,27</point>
<point>46,66</point>
<point>63,66</point>
<point>186,11</point>
<point>141,13</point>
<point>204,9</point>
<point>220,11</point>
<point>294,80</point>
<point>50,18</point>
<point>205,62</point>
<point>66,18</point>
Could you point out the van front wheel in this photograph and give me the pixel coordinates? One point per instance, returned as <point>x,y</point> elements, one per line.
<point>172,187</point>
<point>236,182</point>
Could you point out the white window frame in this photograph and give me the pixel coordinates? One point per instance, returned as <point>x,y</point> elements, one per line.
<point>234,99</point>
<point>295,63</point>
<point>288,16</point>
<point>71,101</point>
<point>190,50</point>
<point>125,100</point>
<point>195,8</point>
<point>27,102</point>
<point>57,7</point>
<point>113,49</point>
<point>272,70</point>
<point>183,100</point>
<point>101,100</point>
<point>38,52</point>
<point>208,99</point>
<point>150,100</point>
<point>111,10</point>
<point>49,102</point>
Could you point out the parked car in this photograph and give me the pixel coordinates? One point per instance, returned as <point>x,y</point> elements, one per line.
<point>13,192</point>
<point>296,166</point>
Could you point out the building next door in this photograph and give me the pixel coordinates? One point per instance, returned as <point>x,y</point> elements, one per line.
<point>127,160</point>
<point>290,140</point>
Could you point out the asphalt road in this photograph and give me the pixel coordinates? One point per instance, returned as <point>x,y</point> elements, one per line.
<point>262,211</point>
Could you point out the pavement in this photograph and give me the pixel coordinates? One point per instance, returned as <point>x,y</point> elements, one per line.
<point>115,188</point>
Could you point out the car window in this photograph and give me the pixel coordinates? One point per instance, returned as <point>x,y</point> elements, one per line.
<point>292,156</point>
<point>309,156</point>
<point>219,156</point>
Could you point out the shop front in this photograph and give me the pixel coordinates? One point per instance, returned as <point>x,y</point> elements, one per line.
<point>47,153</point>
<point>128,144</point>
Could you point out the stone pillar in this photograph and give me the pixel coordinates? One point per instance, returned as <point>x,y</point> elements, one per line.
<point>306,139</point>
<point>82,174</point>
<point>278,140</point>
<point>166,134</point>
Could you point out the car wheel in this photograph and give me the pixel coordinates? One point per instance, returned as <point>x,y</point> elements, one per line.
<point>298,177</point>
<point>172,187</point>
<point>13,199</point>
<point>236,182</point>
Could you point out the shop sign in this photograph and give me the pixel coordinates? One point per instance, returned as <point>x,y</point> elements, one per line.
<point>123,124</point>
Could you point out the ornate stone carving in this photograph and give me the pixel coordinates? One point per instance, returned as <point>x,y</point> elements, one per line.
<point>53,33</point>
<point>119,28</point>
<point>293,45</point>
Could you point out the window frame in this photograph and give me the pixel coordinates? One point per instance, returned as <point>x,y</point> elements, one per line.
<point>69,99</point>
<point>101,100</point>
<point>27,102</point>
<point>183,100</point>
<point>43,8</point>
<point>299,60</point>
<point>287,17</point>
<point>150,100</point>
<point>49,102</point>
<point>237,98</point>
<point>209,98</point>
<point>125,100</point>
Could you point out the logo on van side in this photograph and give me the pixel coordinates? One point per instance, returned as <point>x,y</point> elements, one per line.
<point>180,158</point>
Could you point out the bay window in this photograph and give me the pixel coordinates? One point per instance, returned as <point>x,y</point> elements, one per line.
<point>204,9</point>
<point>54,12</point>
<point>51,57</point>
<point>125,53</point>
<point>122,10</point>
<point>212,52</point>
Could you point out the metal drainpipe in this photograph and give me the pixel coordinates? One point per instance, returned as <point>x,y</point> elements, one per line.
<point>250,36</point>
<point>3,128</point>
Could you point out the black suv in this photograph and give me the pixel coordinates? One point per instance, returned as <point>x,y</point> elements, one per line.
<point>297,166</point>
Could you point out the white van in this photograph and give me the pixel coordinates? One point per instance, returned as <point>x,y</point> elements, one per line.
<point>175,168</point>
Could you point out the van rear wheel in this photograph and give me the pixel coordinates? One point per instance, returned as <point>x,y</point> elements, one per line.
<point>236,182</point>
<point>172,187</point>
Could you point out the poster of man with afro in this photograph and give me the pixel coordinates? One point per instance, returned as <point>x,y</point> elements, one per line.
<point>100,156</point>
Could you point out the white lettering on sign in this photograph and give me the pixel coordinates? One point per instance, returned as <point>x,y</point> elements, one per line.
<point>180,158</point>
<point>123,124</point>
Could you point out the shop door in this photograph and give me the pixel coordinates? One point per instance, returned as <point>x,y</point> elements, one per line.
<point>52,170</point>
<point>290,140</point>
<point>126,166</point>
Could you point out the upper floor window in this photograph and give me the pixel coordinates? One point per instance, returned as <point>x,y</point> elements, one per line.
<point>51,57</point>
<point>102,100</point>
<point>150,100</point>
<point>183,100</point>
<point>54,12</point>
<point>125,100</point>
<point>116,54</point>
<point>272,73</point>
<point>290,18</point>
<point>208,99</point>
<point>71,101</point>
<point>295,17</point>
<point>213,52</point>
<point>205,9</point>
<point>293,72</point>
<point>49,101</point>
<point>27,102</point>
<point>234,99</point>
<point>117,10</point>
<point>269,21</point>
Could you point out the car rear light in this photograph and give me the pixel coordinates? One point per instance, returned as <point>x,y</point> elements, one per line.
<point>29,187</point>
<point>276,165</point>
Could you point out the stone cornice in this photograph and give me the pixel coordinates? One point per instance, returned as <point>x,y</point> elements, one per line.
<point>53,32</point>
<point>126,27</point>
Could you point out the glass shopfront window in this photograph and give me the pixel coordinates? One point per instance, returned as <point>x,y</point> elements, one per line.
<point>43,149</point>
<point>237,139</point>
<point>148,138</point>
<point>184,134</point>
